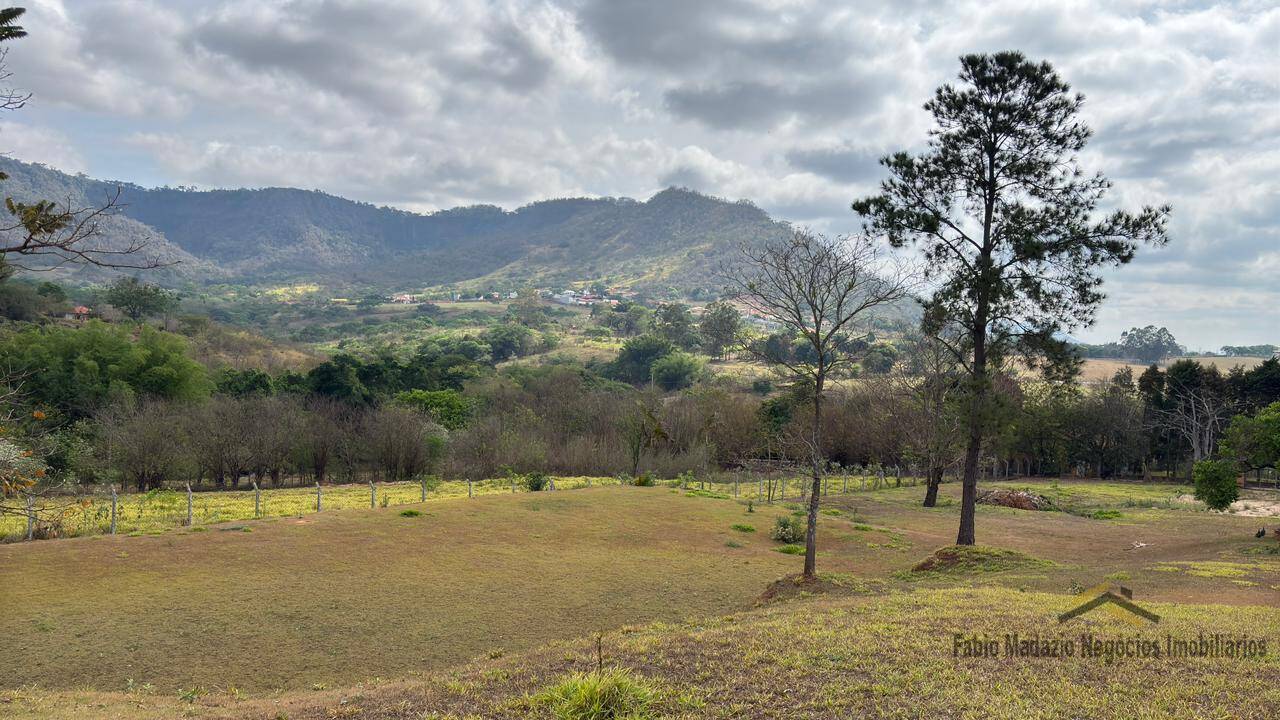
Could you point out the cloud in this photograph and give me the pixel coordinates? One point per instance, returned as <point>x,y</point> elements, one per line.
<point>34,144</point>
<point>787,103</point>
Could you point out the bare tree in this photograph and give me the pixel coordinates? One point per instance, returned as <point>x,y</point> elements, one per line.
<point>925,389</point>
<point>819,289</point>
<point>1197,413</point>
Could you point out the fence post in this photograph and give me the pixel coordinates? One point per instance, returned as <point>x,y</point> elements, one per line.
<point>257,500</point>
<point>424,489</point>
<point>31,517</point>
<point>735,487</point>
<point>468,487</point>
<point>319,499</point>
<point>113,509</point>
<point>373,495</point>
<point>782,489</point>
<point>513,484</point>
<point>844,485</point>
<point>188,504</point>
<point>553,483</point>
<point>759,489</point>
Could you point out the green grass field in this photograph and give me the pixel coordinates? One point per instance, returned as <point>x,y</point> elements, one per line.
<point>161,511</point>
<point>166,510</point>
<point>473,607</point>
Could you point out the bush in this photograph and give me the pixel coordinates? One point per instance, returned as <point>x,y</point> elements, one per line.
<point>740,527</point>
<point>1216,483</point>
<point>791,549</point>
<point>645,480</point>
<point>789,530</point>
<point>611,694</point>
<point>635,361</point>
<point>410,513</point>
<point>762,386</point>
<point>536,482</point>
<point>675,371</point>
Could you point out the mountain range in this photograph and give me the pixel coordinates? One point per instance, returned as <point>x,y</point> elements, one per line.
<point>672,241</point>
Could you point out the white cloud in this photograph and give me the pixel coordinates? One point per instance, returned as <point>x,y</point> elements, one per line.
<point>42,145</point>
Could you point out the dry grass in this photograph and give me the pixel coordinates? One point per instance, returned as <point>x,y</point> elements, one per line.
<point>340,597</point>
<point>357,595</point>
<point>829,657</point>
<point>1105,368</point>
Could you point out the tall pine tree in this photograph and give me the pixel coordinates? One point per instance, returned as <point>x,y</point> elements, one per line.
<point>1009,227</point>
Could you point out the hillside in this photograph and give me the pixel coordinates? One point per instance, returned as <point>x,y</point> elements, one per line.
<point>671,240</point>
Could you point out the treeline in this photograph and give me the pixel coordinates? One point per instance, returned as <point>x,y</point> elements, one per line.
<point>1160,421</point>
<point>111,403</point>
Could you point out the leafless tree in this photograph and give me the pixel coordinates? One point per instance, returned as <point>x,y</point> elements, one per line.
<point>822,290</point>
<point>1196,413</point>
<point>402,443</point>
<point>147,444</point>
<point>925,388</point>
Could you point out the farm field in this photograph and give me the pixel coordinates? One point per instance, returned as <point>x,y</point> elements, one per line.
<point>1105,368</point>
<point>297,598</point>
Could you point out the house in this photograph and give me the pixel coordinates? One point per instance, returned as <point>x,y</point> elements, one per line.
<point>79,312</point>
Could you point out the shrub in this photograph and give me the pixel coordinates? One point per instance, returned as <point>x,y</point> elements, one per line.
<point>761,386</point>
<point>791,549</point>
<point>675,371</point>
<point>644,480</point>
<point>740,527</point>
<point>536,482</point>
<point>789,530</point>
<point>611,694</point>
<point>410,513</point>
<point>1216,483</point>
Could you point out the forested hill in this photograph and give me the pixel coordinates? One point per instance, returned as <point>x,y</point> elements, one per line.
<point>673,239</point>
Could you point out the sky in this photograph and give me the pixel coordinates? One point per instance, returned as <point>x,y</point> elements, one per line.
<point>787,103</point>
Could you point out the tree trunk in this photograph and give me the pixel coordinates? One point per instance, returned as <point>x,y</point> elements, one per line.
<point>815,494</point>
<point>934,480</point>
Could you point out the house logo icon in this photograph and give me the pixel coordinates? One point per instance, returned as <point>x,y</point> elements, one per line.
<point>1119,602</point>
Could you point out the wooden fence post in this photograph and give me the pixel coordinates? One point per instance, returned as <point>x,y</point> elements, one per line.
<point>373,495</point>
<point>257,500</point>
<point>113,509</point>
<point>319,499</point>
<point>735,487</point>
<point>469,487</point>
<point>188,504</point>
<point>424,489</point>
<point>553,483</point>
<point>31,517</point>
<point>759,489</point>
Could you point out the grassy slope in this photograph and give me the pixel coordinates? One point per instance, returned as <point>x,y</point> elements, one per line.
<point>619,555</point>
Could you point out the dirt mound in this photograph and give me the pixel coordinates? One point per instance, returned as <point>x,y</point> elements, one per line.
<point>1017,499</point>
<point>963,559</point>
<point>795,586</point>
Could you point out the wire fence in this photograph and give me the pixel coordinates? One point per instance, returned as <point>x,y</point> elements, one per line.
<point>106,511</point>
